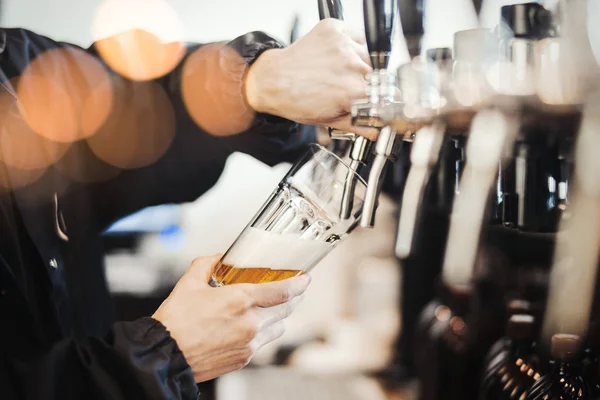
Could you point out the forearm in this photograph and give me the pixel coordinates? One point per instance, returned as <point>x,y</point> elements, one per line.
<point>207,98</point>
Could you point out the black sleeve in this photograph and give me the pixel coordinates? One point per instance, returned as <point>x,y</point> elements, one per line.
<point>137,360</point>
<point>195,158</point>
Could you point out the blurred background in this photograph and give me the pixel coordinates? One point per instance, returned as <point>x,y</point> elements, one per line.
<point>348,320</point>
<point>345,332</point>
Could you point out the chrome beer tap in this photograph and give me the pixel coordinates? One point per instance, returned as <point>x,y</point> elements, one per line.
<point>360,146</point>
<point>378,109</point>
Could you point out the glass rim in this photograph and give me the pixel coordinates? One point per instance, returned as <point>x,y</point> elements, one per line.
<point>339,159</point>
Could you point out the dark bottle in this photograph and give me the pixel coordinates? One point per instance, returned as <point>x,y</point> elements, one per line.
<point>512,371</point>
<point>566,378</point>
<point>421,269</point>
<point>443,347</point>
<point>514,307</point>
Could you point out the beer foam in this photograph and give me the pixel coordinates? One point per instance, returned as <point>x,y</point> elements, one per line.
<point>256,248</point>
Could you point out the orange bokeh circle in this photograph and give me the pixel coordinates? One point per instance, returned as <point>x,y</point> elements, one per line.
<point>212,90</point>
<point>140,39</point>
<point>139,130</point>
<point>65,94</point>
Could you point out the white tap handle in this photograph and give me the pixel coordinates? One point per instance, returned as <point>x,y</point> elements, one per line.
<point>574,270</point>
<point>424,155</point>
<point>492,132</point>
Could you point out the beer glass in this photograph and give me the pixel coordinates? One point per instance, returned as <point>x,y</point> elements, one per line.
<point>305,218</point>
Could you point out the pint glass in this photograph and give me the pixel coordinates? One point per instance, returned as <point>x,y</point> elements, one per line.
<point>306,217</point>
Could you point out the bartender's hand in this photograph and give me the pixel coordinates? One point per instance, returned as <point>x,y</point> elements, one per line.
<point>220,329</point>
<point>315,80</point>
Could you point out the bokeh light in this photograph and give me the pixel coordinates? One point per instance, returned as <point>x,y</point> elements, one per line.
<point>509,79</point>
<point>140,39</point>
<point>212,88</point>
<point>593,28</point>
<point>14,178</point>
<point>172,238</point>
<point>20,146</point>
<point>554,65</point>
<point>140,128</point>
<point>65,94</point>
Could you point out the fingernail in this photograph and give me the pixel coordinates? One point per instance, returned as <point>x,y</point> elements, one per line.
<point>305,279</point>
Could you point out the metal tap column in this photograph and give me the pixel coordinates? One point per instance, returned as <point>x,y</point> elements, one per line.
<point>379,25</point>
<point>359,150</point>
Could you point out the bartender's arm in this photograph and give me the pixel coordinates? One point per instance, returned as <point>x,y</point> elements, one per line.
<point>247,96</point>
<point>199,332</point>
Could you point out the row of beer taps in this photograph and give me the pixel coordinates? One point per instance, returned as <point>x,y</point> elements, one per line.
<point>534,67</point>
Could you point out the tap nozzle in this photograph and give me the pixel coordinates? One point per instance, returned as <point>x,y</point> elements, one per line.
<point>359,152</point>
<point>384,150</point>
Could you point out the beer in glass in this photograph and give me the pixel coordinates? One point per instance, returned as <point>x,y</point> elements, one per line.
<point>307,216</point>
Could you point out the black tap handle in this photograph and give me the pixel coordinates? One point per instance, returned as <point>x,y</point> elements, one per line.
<point>411,17</point>
<point>379,28</point>
<point>528,20</point>
<point>331,9</point>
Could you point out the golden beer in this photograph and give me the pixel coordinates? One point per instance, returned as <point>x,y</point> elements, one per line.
<point>228,274</point>
<point>260,256</point>
<point>298,225</point>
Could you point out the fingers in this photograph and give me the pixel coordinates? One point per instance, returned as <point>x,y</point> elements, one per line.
<point>362,51</point>
<point>266,317</point>
<point>202,268</point>
<point>355,33</point>
<point>238,358</point>
<point>345,124</point>
<point>270,334</point>
<point>274,293</point>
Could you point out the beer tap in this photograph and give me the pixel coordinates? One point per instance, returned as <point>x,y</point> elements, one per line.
<point>360,146</point>
<point>574,270</point>
<point>424,156</point>
<point>428,141</point>
<point>411,19</point>
<point>377,110</point>
<point>331,9</point>
<point>534,48</point>
<point>492,132</point>
<point>568,330</point>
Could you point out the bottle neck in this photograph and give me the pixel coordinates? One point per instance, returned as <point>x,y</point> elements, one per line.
<point>521,347</point>
<point>568,367</point>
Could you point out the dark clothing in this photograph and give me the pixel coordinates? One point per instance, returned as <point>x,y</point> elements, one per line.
<point>58,339</point>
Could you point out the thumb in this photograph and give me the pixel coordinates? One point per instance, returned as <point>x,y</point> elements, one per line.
<point>345,124</point>
<point>202,268</point>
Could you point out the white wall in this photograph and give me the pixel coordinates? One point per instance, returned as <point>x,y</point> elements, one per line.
<point>203,20</point>
<point>214,20</point>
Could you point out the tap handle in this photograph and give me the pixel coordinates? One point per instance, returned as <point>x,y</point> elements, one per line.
<point>528,20</point>
<point>379,28</point>
<point>331,9</point>
<point>411,17</point>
